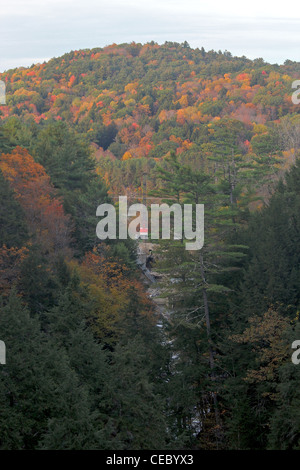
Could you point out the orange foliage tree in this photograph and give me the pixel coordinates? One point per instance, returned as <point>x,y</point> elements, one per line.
<point>44,213</point>
<point>111,289</point>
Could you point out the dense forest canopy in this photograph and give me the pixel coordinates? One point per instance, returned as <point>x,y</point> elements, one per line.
<point>91,363</point>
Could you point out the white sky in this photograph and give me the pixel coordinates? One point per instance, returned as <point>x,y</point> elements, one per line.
<point>35,30</point>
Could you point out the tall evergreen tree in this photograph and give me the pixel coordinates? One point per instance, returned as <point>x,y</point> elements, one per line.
<point>43,402</point>
<point>13,230</point>
<point>197,276</point>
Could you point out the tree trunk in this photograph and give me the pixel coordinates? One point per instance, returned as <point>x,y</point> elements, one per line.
<point>210,348</point>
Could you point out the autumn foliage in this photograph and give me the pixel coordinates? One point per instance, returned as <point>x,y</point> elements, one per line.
<point>43,210</point>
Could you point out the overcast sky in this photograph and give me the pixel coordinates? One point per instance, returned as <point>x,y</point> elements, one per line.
<point>35,30</point>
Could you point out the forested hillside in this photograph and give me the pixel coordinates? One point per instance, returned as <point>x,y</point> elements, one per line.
<point>90,362</point>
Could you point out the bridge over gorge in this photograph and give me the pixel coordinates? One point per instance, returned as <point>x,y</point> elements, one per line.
<point>146,257</point>
<point>146,250</point>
